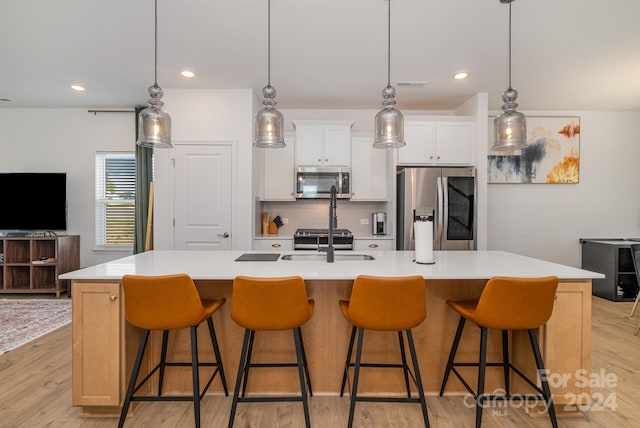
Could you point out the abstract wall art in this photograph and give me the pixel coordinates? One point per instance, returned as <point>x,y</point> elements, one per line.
<point>552,154</point>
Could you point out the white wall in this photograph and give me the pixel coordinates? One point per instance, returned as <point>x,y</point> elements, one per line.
<point>546,221</point>
<point>212,116</point>
<point>66,140</point>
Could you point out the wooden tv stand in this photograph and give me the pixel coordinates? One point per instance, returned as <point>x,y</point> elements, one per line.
<point>32,264</point>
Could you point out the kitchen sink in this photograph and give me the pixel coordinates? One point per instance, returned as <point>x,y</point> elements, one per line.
<point>323,257</point>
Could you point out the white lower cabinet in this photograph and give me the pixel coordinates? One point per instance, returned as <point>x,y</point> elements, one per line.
<point>372,244</point>
<point>273,244</point>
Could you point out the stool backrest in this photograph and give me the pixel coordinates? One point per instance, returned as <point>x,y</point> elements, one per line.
<point>387,303</point>
<point>270,303</point>
<point>164,302</point>
<point>516,303</point>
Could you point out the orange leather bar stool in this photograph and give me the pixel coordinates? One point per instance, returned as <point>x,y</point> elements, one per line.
<point>506,304</point>
<point>169,302</point>
<point>385,304</point>
<point>270,304</point>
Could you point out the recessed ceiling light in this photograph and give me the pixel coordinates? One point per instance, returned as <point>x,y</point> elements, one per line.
<point>78,88</point>
<point>411,84</point>
<point>460,75</point>
<point>187,73</point>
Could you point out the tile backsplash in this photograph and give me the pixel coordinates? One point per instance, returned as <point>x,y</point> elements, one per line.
<point>314,214</point>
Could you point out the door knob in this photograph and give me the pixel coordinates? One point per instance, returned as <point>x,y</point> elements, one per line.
<point>224,235</point>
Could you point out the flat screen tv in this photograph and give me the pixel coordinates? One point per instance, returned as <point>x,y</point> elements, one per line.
<point>33,201</point>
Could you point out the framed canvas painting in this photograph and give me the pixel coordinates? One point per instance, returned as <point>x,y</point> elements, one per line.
<point>552,155</point>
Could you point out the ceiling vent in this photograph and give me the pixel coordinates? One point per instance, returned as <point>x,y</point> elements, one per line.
<point>411,84</point>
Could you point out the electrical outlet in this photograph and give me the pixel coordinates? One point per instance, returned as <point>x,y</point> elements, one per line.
<point>364,221</point>
<point>285,220</point>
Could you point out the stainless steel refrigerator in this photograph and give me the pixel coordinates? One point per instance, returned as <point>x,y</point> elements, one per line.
<point>445,195</point>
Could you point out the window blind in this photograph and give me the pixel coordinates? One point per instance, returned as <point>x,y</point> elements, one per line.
<point>115,198</point>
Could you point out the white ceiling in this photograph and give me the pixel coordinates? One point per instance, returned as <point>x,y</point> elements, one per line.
<point>325,54</point>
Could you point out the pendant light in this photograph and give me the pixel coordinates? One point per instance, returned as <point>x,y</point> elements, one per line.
<point>269,122</point>
<point>510,126</point>
<point>154,124</point>
<point>389,127</point>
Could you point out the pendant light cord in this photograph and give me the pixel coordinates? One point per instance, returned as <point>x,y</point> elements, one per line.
<point>155,36</point>
<point>389,45</point>
<point>510,44</point>
<point>269,45</point>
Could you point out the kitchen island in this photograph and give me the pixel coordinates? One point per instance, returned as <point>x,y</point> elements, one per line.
<point>104,344</point>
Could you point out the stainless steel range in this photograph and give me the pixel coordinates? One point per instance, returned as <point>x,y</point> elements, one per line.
<point>312,239</point>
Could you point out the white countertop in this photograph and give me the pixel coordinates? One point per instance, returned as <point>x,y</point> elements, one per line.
<point>221,265</point>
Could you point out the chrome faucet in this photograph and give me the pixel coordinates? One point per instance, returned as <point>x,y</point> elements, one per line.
<point>333,222</point>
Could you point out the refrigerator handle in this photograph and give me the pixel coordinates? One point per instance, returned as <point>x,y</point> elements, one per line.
<point>441,206</point>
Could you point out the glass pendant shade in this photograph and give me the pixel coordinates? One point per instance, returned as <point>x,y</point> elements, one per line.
<point>269,122</point>
<point>389,126</point>
<point>268,129</point>
<point>154,124</point>
<point>510,131</point>
<point>510,126</point>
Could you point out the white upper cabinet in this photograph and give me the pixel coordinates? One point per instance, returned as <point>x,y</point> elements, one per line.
<point>369,170</point>
<point>437,141</point>
<point>323,143</point>
<point>278,170</point>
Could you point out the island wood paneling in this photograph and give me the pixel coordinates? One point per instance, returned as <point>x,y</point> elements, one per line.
<point>566,343</point>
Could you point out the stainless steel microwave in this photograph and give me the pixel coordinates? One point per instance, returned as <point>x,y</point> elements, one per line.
<point>315,183</point>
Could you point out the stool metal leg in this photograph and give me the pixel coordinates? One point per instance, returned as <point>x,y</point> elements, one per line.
<point>356,374</point>
<point>304,360</point>
<point>163,360</point>
<point>452,354</point>
<point>216,351</point>
<point>405,368</point>
<point>194,372</point>
<point>346,364</point>
<point>297,337</point>
<point>481,372</point>
<point>134,376</point>
<point>418,376</point>
<point>236,390</point>
<point>543,380</point>
<point>505,361</point>
<point>247,366</point>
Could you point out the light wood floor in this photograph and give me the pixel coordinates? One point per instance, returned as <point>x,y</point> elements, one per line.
<point>35,391</point>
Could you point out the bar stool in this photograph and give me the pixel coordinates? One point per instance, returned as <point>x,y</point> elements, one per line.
<point>270,304</point>
<point>169,302</point>
<point>505,304</point>
<point>385,304</point>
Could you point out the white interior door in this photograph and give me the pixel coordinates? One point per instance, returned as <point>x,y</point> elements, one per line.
<point>202,197</point>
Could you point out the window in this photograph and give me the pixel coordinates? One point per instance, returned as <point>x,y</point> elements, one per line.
<point>115,199</point>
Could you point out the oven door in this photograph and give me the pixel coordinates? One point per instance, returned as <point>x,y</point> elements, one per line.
<point>315,183</point>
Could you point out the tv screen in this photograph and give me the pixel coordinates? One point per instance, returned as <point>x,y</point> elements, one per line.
<point>33,201</point>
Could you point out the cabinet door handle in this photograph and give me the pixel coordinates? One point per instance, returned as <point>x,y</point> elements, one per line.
<point>224,235</point>
<point>373,245</point>
<point>438,157</point>
<point>276,245</point>
<point>326,160</point>
<point>430,157</point>
<point>113,297</point>
<point>319,160</point>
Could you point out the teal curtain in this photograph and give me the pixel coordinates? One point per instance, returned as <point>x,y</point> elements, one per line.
<point>144,176</point>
